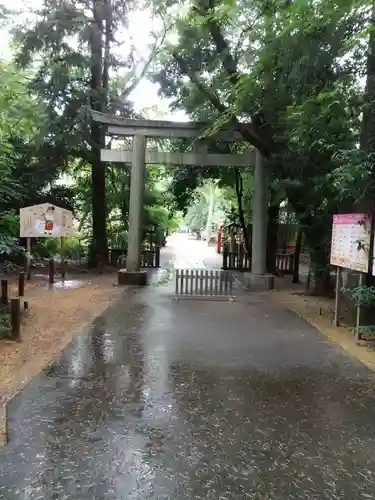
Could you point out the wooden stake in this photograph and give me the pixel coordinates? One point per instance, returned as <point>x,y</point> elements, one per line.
<point>21,284</point>
<point>4,292</point>
<point>51,271</point>
<point>15,311</point>
<point>360,283</point>
<point>338,296</point>
<point>28,259</point>
<point>62,258</point>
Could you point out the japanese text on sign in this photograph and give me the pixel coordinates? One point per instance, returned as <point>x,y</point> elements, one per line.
<point>45,221</point>
<point>351,235</point>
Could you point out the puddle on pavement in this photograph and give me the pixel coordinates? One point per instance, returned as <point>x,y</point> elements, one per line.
<point>62,284</point>
<point>68,284</point>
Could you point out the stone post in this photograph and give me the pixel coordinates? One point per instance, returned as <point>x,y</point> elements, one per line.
<point>260,212</point>
<point>137,185</point>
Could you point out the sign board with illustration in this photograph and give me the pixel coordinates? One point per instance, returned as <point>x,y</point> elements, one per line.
<point>45,221</point>
<point>351,235</point>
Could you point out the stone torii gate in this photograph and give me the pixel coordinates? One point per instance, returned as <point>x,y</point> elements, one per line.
<point>139,157</point>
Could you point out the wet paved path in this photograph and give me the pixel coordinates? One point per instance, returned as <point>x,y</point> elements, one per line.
<point>188,400</point>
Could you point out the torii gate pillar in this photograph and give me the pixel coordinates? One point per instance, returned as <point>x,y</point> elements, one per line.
<point>260,209</point>
<point>259,276</point>
<point>133,275</point>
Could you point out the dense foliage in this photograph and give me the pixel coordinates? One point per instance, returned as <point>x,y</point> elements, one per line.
<point>28,176</point>
<point>293,72</point>
<point>297,79</point>
<point>69,58</point>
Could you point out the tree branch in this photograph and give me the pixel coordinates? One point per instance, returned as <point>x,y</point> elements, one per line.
<point>222,46</point>
<point>156,48</point>
<point>247,130</point>
<point>241,37</point>
<point>230,67</point>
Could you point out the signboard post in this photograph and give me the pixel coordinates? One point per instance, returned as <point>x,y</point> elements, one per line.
<point>337,296</point>
<point>351,238</point>
<point>28,259</point>
<point>44,221</point>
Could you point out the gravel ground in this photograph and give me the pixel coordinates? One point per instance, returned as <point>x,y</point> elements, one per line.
<point>55,317</point>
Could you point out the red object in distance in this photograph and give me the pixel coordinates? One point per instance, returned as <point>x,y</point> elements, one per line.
<point>219,239</point>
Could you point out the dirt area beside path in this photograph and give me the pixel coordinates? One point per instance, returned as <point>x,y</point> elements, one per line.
<point>319,312</point>
<point>54,318</point>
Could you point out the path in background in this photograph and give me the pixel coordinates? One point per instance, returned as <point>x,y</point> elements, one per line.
<point>191,253</point>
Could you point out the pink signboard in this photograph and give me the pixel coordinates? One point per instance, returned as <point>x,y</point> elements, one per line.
<point>350,247</point>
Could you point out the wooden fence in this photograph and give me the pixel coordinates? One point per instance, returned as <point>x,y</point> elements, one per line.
<point>285,263</point>
<point>234,261</point>
<point>202,283</point>
<point>149,258</point>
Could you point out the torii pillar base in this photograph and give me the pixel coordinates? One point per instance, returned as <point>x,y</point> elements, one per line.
<point>260,281</point>
<point>133,278</point>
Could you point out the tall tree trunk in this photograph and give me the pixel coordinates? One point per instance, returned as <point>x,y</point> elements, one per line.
<point>272,233</point>
<point>367,144</point>
<point>319,258</point>
<point>317,246</point>
<point>211,203</point>
<point>297,254</point>
<point>367,141</point>
<point>107,53</point>
<point>241,215</point>
<point>323,285</point>
<point>368,119</point>
<point>99,246</point>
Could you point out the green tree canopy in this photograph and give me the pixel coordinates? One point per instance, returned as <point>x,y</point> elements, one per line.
<point>286,75</point>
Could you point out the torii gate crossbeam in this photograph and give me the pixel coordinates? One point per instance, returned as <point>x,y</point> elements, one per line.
<point>139,156</point>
